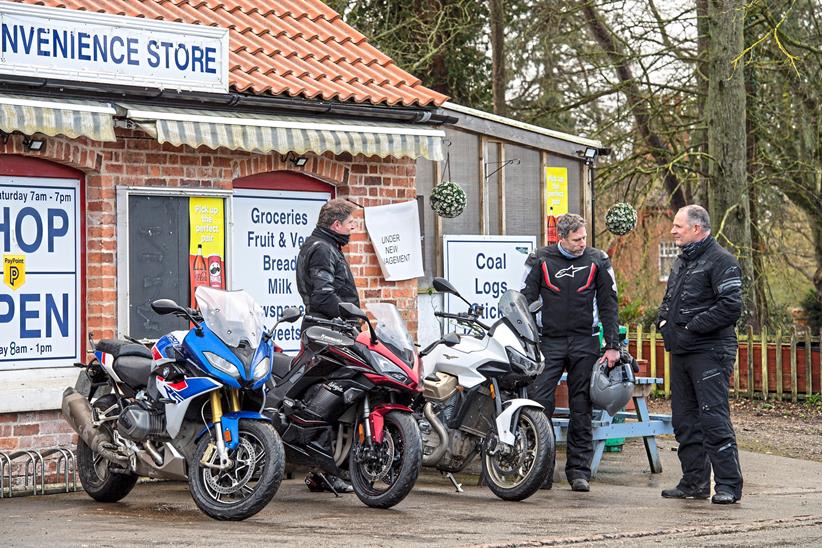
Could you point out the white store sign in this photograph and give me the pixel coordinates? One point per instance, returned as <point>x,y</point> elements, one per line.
<point>482,268</point>
<point>40,291</point>
<point>269,228</point>
<point>93,47</point>
<point>394,230</point>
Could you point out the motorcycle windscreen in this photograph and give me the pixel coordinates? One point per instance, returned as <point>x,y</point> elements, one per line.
<point>514,307</point>
<point>233,316</point>
<point>390,329</point>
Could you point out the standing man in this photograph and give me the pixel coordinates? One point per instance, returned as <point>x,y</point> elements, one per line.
<point>702,302</point>
<point>324,280</point>
<point>578,290</point>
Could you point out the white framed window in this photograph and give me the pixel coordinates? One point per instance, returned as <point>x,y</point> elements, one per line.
<point>667,255</point>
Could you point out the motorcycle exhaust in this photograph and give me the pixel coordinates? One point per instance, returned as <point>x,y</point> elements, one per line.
<point>77,412</point>
<point>439,428</point>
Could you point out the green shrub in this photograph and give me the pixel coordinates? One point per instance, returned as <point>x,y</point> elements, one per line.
<point>812,305</point>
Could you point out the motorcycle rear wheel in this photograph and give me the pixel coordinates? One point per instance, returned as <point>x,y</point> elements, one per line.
<point>519,475</point>
<point>384,476</point>
<point>244,489</point>
<point>99,481</point>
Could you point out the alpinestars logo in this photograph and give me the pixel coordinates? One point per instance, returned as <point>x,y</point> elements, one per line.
<point>570,271</point>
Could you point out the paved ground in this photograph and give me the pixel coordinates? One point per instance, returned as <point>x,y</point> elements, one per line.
<point>782,505</point>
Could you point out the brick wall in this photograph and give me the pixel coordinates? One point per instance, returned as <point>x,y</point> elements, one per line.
<point>136,159</point>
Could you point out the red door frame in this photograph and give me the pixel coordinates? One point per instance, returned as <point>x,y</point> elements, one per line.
<point>23,166</point>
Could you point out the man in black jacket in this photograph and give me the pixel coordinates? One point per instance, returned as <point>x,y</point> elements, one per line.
<point>324,280</point>
<point>578,290</point>
<point>702,302</point>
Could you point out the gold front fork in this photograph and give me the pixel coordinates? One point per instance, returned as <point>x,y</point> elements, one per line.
<point>234,399</point>
<point>216,407</point>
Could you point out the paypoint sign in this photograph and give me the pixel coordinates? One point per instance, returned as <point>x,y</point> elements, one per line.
<point>39,244</point>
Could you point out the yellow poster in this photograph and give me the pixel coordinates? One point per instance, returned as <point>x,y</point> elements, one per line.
<point>206,243</point>
<point>556,190</point>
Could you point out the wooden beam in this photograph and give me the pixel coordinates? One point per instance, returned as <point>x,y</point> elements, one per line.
<point>437,225</point>
<point>543,183</point>
<point>501,187</point>
<point>483,187</point>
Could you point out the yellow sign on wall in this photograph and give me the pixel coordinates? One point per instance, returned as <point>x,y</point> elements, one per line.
<point>207,223</point>
<point>556,190</point>
<point>206,243</point>
<point>14,270</point>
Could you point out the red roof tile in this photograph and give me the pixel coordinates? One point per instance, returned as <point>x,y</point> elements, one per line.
<point>297,47</point>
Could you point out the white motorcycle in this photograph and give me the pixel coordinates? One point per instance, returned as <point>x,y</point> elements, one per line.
<point>475,402</point>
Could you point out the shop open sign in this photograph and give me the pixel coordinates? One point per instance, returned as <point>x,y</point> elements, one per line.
<point>39,241</point>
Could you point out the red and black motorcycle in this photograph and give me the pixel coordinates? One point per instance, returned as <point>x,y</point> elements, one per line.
<point>343,403</point>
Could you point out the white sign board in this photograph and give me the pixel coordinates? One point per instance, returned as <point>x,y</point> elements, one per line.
<point>94,47</point>
<point>40,291</point>
<point>482,268</point>
<point>394,230</point>
<point>269,228</point>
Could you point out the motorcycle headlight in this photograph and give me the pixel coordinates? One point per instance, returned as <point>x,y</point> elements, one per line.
<point>390,369</point>
<point>222,364</point>
<point>262,368</point>
<point>526,364</point>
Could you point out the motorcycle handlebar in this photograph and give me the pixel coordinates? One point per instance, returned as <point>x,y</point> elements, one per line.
<point>350,325</point>
<point>461,317</point>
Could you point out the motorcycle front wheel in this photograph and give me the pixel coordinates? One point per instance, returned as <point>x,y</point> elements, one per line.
<point>516,473</point>
<point>242,490</point>
<point>383,475</point>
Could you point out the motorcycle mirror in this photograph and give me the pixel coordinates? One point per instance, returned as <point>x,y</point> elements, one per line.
<point>535,307</point>
<point>290,314</point>
<point>349,311</point>
<point>451,339</point>
<point>166,306</point>
<point>444,286</point>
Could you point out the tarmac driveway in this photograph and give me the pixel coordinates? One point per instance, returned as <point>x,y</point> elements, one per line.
<point>782,505</point>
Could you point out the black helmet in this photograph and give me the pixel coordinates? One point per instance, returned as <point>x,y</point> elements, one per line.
<point>612,388</point>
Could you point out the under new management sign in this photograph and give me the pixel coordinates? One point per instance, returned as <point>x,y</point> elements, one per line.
<point>74,45</point>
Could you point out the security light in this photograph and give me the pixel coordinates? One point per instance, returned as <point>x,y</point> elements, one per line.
<point>35,145</point>
<point>298,161</point>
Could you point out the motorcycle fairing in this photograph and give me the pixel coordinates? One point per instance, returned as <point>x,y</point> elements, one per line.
<point>182,393</point>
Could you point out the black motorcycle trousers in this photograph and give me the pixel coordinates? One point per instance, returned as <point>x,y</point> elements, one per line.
<point>702,421</point>
<point>576,354</point>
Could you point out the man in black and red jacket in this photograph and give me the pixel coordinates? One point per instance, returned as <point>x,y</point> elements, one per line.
<point>578,291</point>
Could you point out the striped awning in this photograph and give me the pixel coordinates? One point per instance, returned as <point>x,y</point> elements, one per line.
<point>70,117</point>
<point>281,133</point>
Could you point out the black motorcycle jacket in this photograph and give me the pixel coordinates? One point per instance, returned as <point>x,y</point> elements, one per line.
<point>703,300</point>
<point>324,278</point>
<point>576,293</point>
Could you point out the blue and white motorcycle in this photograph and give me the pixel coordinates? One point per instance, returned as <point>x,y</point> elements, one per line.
<point>180,411</point>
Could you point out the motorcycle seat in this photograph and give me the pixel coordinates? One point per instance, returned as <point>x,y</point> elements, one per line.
<point>120,348</point>
<point>133,370</point>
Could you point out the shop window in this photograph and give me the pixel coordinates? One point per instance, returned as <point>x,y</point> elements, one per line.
<point>173,241</point>
<point>667,254</point>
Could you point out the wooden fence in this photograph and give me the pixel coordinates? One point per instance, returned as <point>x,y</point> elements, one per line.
<point>790,366</point>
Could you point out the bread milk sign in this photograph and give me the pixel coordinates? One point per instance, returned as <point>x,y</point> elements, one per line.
<point>39,296</point>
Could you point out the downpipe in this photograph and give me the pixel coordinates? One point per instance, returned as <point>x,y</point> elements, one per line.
<point>439,428</point>
<point>77,412</point>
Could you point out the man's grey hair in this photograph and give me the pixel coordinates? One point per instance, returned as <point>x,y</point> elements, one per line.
<point>337,209</point>
<point>567,223</point>
<point>697,215</point>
